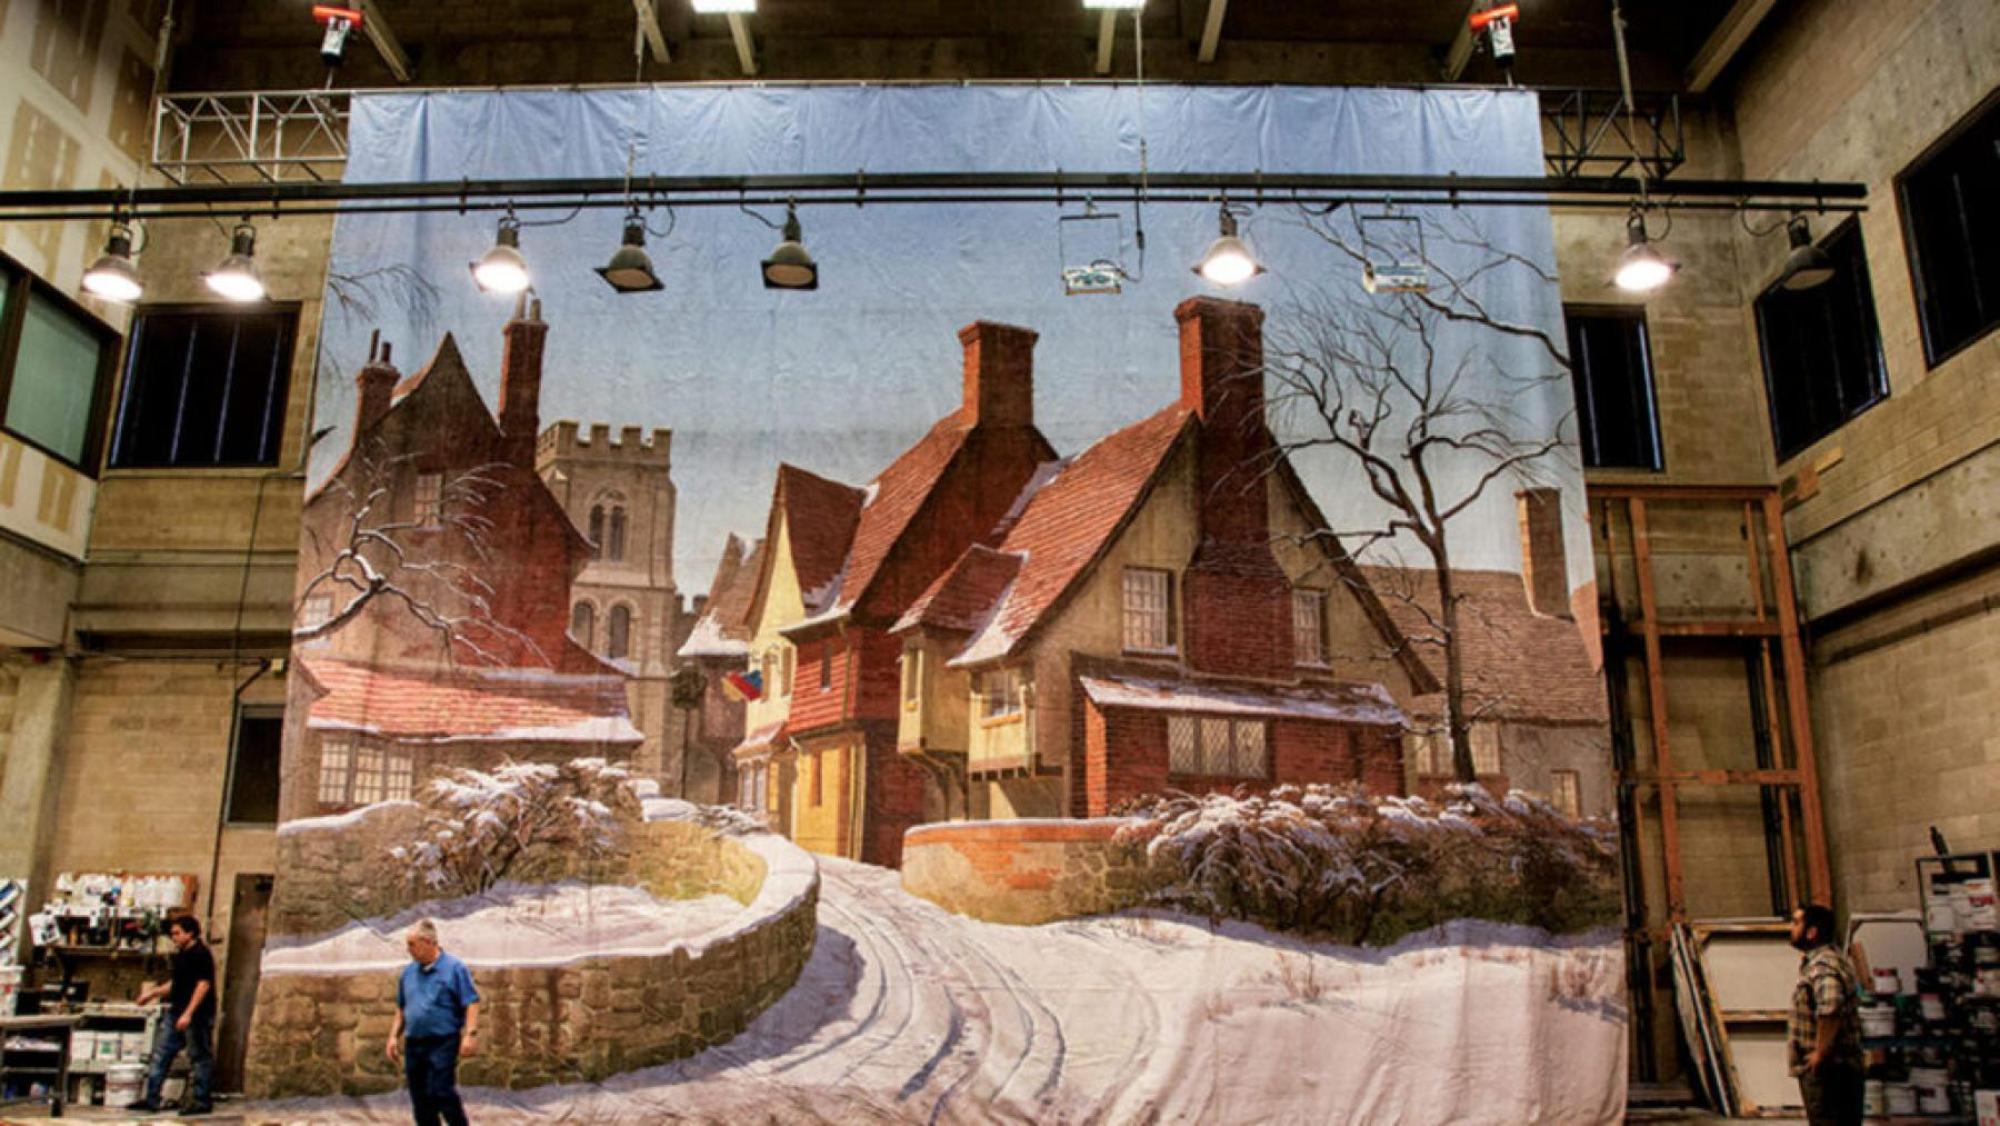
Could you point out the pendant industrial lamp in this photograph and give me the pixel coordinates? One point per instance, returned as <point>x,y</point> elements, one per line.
<point>502,269</point>
<point>236,279</point>
<point>113,276</point>
<point>1807,265</point>
<point>1641,268</point>
<point>1228,261</point>
<point>631,268</point>
<point>790,266</point>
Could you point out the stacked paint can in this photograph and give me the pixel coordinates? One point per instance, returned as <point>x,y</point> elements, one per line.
<point>1951,1034</point>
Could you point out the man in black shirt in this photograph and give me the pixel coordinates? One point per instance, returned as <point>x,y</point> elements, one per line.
<point>190,995</point>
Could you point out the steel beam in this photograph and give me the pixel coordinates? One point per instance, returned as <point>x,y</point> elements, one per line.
<point>1211,31</point>
<point>746,49</point>
<point>376,25</point>
<point>649,27</point>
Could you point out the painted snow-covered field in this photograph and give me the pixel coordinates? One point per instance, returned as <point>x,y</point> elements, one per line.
<point>908,1013</point>
<point>516,925</point>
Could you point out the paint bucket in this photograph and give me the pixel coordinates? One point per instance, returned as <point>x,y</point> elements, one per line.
<point>1887,981</point>
<point>1933,1100</point>
<point>1932,1005</point>
<point>10,987</point>
<point>1878,1021</point>
<point>124,1083</point>
<point>1874,1099</point>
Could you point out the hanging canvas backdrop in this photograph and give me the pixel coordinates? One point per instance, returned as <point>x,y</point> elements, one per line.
<point>1012,679</point>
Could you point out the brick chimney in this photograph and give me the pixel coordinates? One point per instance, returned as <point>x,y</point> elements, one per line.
<point>1544,565</point>
<point>1236,599</point>
<point>999,374</point>
<point>378,386</point>
<point>521,383</point>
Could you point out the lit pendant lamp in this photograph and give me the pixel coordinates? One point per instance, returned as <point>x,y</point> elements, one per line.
<point>1807,265</point>
<point>502,269</point>
<point>631,268</point>
<point>236,279</point>
<point>1641,268</point>
<point>790,266</point>
<point>113,276</point>
<point>1228,261</point>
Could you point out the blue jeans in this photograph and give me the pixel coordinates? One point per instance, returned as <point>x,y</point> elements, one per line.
<point>199,1040</point>
<point>430,1063</point>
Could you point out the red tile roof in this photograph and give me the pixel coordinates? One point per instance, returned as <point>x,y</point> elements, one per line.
<point>1070,520</point>
<point>963,597</point>
<point>412,705</point>
<point>820,518</point>
<point>893,500</point>
<point>1520,666</point>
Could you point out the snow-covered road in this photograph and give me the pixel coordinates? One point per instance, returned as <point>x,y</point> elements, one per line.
<point>907,1013</point>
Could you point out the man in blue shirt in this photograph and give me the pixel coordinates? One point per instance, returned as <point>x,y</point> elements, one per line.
<point>437,1022</point>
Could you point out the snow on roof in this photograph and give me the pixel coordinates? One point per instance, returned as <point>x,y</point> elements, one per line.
<point>420,706</point>
<point>706,639</point>
<point>759,740</point>
<point>1345,702</point>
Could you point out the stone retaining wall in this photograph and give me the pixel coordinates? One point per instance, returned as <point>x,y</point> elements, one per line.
<point>1025,872</point>
<point>579,1020</point>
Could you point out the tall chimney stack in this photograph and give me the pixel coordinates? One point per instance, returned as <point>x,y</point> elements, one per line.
<point>1544,562</point>
<point>999,374</point>
<point>1237,600</point>
<point>521,382</point>
<point>378,385</point>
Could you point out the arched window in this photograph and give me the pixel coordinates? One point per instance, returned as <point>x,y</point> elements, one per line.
<point>614,544</point>
<point>582,623</point>
<point>618,633</point>
<point>597,532</point>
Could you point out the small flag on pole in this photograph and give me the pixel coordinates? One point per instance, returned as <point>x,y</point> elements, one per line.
<point>743,686</point>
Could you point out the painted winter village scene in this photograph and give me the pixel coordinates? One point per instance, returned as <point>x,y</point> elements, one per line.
<point>1195,721</point>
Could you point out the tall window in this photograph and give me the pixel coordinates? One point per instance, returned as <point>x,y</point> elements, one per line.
<point>614,545</point>
<point>787,669</point>
<point>1822,357</point>
<point>1149,609</point>
<point>618,633</point>
<point>1566,793</point>
<point>913,671</point>
<point>430,499</point>
<point>583,624</point>
<point>205,387</point>
<point>1611,370</point>
<point>55,363</point>
<point>818,763</point>
<point>1217,747</point>
<point>1485,749</point>
<point>1952,231</point>
<point>597,531</point>
<point>999,694</point>
<point>253,766</point>
<point>1309,627</point>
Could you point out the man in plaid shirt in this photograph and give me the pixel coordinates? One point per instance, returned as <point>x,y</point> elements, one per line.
<point>1825,1040</point>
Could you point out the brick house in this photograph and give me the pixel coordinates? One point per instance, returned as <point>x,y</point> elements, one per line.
<point>1155,613</point>
<point>839,567</point>
<point>717,645</point>
<point>434,592</point>
<point>1541,724</point>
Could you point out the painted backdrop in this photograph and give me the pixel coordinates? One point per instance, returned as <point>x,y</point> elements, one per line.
<point>931,696</point>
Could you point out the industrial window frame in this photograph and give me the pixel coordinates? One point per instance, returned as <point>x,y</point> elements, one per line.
<point>1806,406</point>
<point>18,286</point>
<point>1938,234</point>
<point>132,418</point>
<point>273,714</point>
<point>1600,377</point>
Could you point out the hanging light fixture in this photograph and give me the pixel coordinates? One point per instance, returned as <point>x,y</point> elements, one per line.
<point>113,276</point>
<point>1228,261</point>
<point>502,269</point>
<point>790,266</point>
<point>631,268</point>
<point>236,279</point>
<point>1807,265</point>
<point>1641,268</point>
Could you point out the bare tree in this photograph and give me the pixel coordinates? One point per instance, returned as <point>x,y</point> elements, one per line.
<point>1407,388</point>
<point>417,560</point>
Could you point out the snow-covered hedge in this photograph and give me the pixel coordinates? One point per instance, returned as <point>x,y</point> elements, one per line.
<point>482,826</point>
<point>1359,868</point>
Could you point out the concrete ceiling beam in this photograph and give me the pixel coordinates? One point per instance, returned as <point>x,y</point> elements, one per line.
<point>1211,31</point>
<point>1725,41</point>
<point>376,25</point>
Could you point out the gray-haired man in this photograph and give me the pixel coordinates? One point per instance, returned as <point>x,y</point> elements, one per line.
<point>437,1024</point>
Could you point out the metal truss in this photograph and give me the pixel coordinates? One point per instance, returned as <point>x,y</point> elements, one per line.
<point>1590,132</point>
<point>254,136</point>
